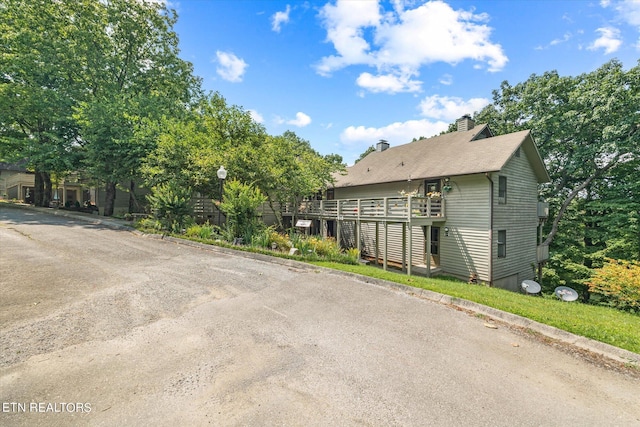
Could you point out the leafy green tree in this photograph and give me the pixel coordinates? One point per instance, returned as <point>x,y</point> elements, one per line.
<point>587,129</point>
<point>136,76</point>
<point>293,171</point>
<point>192,148</point>
<point>39,87</point>
<point>366,152</point>
<point>240,205</point>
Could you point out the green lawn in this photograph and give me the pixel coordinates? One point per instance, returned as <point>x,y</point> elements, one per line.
<point>603,324</point>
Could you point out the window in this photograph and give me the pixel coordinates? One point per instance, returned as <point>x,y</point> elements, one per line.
<point>502,189</point>
<point>502,243</point>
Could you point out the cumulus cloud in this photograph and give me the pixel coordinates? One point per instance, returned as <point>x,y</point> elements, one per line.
<point>609,40</point>
<point>397,133</point>
<point>230,67</point>
<point>397,43</point>
<point>389,83</point>
<point>628,10</point>
<point>300,121</point>
<point>279,18</point>
<point>450,108</point>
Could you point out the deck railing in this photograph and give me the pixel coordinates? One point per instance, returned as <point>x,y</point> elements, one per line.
<point>402,208</point>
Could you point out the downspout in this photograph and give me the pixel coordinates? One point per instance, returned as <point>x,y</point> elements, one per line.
<point>486,174</point>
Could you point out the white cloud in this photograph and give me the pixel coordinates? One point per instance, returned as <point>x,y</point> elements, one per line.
<point>389,83</point>
<point>230,67</point>
<point>450,108</point>
<point>609,40</point>
<point>628,10</point>
<point>396,133</point>
<point>300,121</point>
<point>398,43</point>
<point>280,18</point>
<point>257,117</point>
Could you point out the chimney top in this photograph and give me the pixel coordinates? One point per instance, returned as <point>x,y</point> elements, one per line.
<point>382,145</point>
<point>465,123</point>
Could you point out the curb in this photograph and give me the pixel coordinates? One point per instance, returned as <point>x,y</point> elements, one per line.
<point>617,354</point>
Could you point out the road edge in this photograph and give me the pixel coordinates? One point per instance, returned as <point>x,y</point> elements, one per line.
<point>622,356</point>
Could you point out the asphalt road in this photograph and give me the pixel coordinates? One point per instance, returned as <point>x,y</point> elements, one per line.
<point>107,327</point>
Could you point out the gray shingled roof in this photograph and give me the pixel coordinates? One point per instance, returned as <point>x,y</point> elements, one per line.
<point>451,154</point>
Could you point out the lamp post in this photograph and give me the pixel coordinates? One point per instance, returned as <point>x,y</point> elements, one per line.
<point>222,175</point>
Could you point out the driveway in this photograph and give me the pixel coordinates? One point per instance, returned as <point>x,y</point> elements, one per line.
<point>107,327</point>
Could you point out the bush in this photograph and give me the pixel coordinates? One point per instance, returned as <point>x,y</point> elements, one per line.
<point>204,231</point>
<point>240,206</point>
<point>617,284</point>
<point>171,205</point>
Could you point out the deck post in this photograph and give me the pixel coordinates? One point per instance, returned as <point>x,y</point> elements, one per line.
<point>358,228</point>
<point>428,245</point>
<point>386,245</point>
<point>404,246</point>
<point>410,230</point>
<point>338,224</point>
<point>377,242</point>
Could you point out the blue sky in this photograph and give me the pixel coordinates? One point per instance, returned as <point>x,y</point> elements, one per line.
<point>345,74</point>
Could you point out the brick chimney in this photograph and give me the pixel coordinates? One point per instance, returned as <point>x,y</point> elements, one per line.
<point>465,123</point>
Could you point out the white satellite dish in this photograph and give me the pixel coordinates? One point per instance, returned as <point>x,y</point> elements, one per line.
<point>530,286</point>
<point>565,293</point>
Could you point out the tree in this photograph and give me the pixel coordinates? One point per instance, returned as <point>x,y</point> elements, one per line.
<point>39,88</point>
<point>366,152</point>
<point>294,170</point>
<point>136,76</point>
<point>587,129</point>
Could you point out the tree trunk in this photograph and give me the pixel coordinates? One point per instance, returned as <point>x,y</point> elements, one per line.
<point>133,203</point>
<point>42,190</point>
<point>109,198</point>
<point>38,190</point>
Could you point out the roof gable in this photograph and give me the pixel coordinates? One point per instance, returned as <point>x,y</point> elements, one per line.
<point>451,154</point>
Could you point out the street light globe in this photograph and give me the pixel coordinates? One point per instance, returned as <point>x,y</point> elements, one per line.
<point>222,173</point>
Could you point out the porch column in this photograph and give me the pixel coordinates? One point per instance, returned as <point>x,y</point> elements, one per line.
<point>404,246</point>
<point>338,224</point>
<point>377,242</point>
<point>386,244</point>
<point>428,244</point>
<point>358,229</point>
<point>410,248</point>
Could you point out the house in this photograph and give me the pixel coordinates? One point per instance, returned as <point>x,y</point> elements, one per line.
<point>463,203</point>
<point>18,183</point>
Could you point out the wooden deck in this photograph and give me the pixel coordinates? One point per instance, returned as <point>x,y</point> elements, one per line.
<point>411,209</point>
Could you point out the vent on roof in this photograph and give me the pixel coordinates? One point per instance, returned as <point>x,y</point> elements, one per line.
<point>382,145</point>
<point>465,123</point>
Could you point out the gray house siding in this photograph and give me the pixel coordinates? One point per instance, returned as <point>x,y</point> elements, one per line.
<point>368,229</point>
<point>465,250</point>
<point>517,215</point>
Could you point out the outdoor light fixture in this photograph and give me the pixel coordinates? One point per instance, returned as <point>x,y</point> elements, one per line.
<point>222,175</point>
<point>446,231</point>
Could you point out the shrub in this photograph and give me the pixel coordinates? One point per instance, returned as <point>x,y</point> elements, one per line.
<point>282,242</point>
<point>617,284</point>
<point>240,205</point>
<point>204,231</point>
<point>171,205</point>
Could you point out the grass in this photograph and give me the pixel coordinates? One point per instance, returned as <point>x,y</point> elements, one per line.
<point>608,325</point>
